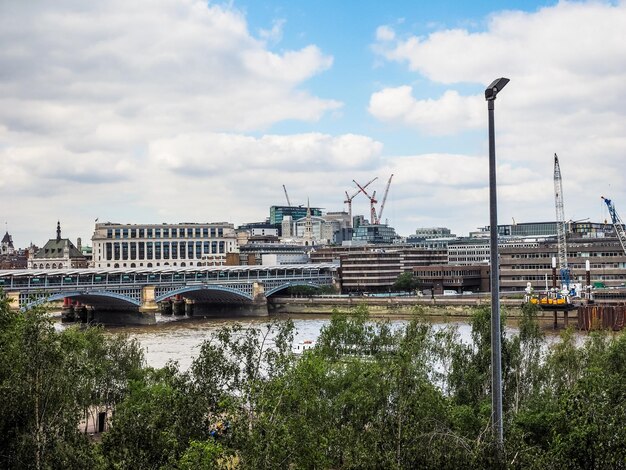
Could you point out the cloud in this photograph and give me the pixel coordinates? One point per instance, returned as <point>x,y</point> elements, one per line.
<point>567,95</point>
<point>446,115</point>
<point>199,155</point>
<point>89,90</point>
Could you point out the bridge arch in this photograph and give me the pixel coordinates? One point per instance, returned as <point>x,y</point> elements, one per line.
<point>291,284</point>
<point>206,293</point>
<point>93,298</point>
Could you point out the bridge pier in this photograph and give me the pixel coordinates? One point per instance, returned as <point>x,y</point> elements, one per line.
<point>148,302</point>
<point>178,306</point>
<point>123,317</point>
<point>189,307</point>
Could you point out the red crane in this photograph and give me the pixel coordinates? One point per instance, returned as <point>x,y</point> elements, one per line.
<point>349,198</point>
<point>373,202</point>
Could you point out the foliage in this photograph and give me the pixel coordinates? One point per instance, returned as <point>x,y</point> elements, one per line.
<point>370,394</point>
<point>48,380</point>
<point>406,282</point>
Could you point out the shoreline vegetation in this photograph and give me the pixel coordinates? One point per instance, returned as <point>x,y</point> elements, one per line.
<point>366,396</point>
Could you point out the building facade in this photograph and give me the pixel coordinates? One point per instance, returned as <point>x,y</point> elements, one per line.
<point>117,245</point>
<point>58,253</point>
<point>532,262</point>
<point>277,213</point>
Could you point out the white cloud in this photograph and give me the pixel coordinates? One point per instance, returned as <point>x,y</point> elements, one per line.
<point>385,33</point>
<point>567,95</point>
<point>89,90</point>
<point>446,115</point>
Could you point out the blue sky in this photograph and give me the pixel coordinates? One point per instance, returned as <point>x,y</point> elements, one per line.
<point>183,110</point>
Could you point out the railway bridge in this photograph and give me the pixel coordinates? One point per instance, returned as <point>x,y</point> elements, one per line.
<point>133,295</point>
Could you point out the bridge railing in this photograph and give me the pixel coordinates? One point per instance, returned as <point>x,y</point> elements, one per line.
<point>26,280</point>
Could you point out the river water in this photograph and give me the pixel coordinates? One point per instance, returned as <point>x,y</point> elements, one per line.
<point>179,339</point>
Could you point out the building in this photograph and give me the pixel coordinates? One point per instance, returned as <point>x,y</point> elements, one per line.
<point>468,251</point>
<point>375,268</point>
<point>272,254</point>
<point>532,262</point>
<point>373,234</point>
<point>58,253</point>
<point>6,246</point>
<point>260,229</point>
<point>459,278</point>
<point>371,270</point>
<point>117,245</point>
<point>277,213</point>
<point>10,258</point>
<point>428,233</point>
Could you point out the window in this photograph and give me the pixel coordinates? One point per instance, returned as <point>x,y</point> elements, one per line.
<point>149,252</point>
<point>142,250</point>
<point>157,250</point>
<point>116,250</point>
<point>166,250</point>
<point>149,232</point>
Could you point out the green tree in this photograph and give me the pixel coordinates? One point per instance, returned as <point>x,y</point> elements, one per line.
<point>406,282</point>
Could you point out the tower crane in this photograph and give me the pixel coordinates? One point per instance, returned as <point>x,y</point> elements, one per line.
<point>373,202</point>
<point>617,223</point>
<point>349,198</point>
<point>560,223</point>
<point>382,204</point>
<point>286,196</point>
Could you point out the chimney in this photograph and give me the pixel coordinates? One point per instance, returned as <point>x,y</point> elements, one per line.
<point>79,244</point>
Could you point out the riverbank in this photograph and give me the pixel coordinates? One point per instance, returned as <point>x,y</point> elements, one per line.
<point>392,306</point>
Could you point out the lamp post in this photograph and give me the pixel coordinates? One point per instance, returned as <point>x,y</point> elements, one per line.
<point>496,352</point>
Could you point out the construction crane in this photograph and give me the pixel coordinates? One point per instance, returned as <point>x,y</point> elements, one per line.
<point>560,224</point>
<point>349,198</point>
<point>382,204</point>
<point>617,223</point>
<point>373,202</point>
<point>287,196</point>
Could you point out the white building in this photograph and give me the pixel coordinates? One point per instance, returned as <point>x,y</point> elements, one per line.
<point>187,244</point>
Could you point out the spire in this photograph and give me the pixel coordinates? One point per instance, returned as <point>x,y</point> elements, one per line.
<point>308,226</point>
<point>58,231</point>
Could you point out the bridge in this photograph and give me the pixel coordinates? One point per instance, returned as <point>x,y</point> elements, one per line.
<point>133,295</point>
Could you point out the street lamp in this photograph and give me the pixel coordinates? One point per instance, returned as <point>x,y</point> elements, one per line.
<point>496,350</point>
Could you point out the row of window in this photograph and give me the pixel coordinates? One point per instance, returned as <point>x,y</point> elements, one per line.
<point>182,232</point>
<point>162,250</point>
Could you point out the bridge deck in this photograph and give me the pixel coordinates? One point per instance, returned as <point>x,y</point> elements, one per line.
<point>34,279</point>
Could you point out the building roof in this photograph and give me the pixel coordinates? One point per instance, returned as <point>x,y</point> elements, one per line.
<point>54,248</point>
<point>7,239</point>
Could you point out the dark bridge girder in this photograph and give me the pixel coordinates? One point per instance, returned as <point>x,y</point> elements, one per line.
<point>208,294</point>
<point>98,300</point>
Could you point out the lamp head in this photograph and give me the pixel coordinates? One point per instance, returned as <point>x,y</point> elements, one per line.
<point>492,90</point>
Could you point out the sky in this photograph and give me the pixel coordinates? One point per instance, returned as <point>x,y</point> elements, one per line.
<point>194,111</point>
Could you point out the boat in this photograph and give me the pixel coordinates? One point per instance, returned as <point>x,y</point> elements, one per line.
<point>302,346</point>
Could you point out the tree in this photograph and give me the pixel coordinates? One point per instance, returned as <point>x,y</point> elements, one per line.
<point>406,282</point>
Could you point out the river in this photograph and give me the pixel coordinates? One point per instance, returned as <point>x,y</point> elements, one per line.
<point>180,339</point>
